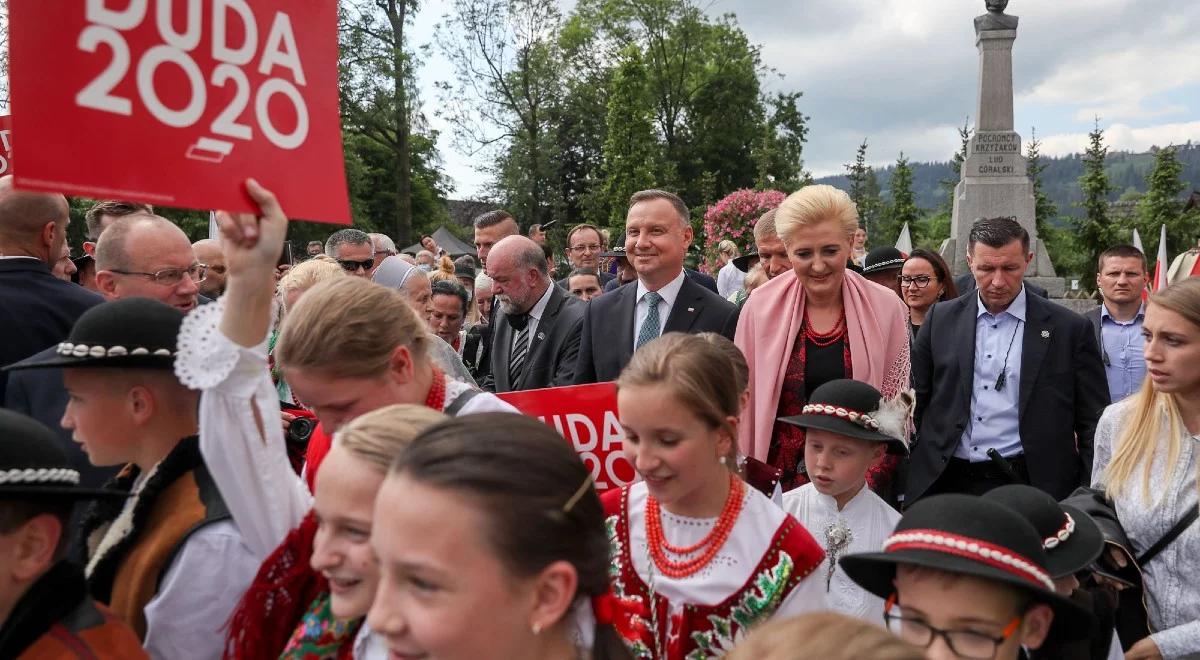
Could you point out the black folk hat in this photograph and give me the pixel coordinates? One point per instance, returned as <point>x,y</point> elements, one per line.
<point>968,535</point>
<point>855,409</point>
<point>881,259</point>
<point>617,249</point>
<point>131,333</point>
<point>33,466</point>
<point>742,262</point>
<point>1070,537</point>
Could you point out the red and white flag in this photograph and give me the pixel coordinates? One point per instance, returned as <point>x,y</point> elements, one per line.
<point>1161,264</point>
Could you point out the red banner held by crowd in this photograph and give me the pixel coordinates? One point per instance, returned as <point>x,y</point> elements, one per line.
<point>177,102</point>
<point>586,415</point>
<point>5,145</point>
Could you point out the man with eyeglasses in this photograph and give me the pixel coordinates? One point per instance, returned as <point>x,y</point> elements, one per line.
<point>384,247</point>
<point>353,249</point>
<point>208,252</point>
<point>584,247</point>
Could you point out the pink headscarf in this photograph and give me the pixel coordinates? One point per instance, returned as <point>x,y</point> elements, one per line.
<point>876,323</point>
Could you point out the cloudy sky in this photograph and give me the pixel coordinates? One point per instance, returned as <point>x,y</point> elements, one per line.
<point>903,73</point>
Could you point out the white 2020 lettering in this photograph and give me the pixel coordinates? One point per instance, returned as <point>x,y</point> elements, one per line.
<point>279,50</point>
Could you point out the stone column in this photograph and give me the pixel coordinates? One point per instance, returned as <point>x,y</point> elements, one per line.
<point>995,110</point>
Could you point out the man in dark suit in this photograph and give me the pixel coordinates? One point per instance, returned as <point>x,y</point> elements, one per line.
<point>585,246</point>
<point>535,339</point>
<point>37,309</point>
<point>662,300</point>
<point>1009,386</point>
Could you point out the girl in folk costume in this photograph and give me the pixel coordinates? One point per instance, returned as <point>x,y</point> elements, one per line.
<point>491,544</point>
<point>347,347</point>
<point>698,557</point>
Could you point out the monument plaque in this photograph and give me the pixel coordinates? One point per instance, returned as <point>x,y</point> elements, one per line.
<point>995,178</point>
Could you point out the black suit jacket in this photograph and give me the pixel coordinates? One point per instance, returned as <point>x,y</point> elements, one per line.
<point>553,351</point>
<point>605,278</point>
<point>37,309</point>
<point>608,334</point>
<point>1063,390</point>
<point>966,283</point>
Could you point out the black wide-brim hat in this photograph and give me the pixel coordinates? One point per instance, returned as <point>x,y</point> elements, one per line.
<point>968,535</point>
<point>33,467</point>
<point>742,263</point>
<point>856,410</point>
<point>882,258</point>
<point>1071,538</point>
<point>131,333</point>
<point>617,249</point>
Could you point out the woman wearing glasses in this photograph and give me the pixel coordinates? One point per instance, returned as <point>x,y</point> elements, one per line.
<point>924,280</point>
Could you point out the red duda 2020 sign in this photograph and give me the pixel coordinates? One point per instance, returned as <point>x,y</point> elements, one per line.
<point>586,415</point>
<point>5,145</point>
<point>177,102</point>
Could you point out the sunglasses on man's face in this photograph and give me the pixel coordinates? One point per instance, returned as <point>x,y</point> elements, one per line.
<point>351,266</point>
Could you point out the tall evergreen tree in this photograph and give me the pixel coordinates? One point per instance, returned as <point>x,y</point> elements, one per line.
<point>629,147</point>
<point>903,205</point>
<point>1093,231</point>
<point>1044,210</point>
<point>864,189</point>
<point>1162,205</point>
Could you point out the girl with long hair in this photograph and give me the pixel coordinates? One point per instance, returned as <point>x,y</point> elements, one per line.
<point>491,544</point>
<point>698,557</point>
<point>1146,449</point>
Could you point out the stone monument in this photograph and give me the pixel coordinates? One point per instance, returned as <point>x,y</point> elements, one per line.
<point>994,180</point>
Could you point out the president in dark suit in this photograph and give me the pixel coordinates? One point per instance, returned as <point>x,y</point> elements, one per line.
<point>37,309</point>
<point>1009,385</point>
<point>662,300</point>
<point>536,328</point>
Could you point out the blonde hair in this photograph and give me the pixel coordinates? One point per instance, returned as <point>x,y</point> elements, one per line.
<point>444,272</point>
<point>698,369</point>
<point>379,436</point>
<point>1138,438</point>
<point>304,275</point>
<point>728,249</point>
<point>825,635</point>
<point>348,327</point>
<point>813,204</point>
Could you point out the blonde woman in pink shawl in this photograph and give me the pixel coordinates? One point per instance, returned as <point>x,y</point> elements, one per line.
<point>818,323</point>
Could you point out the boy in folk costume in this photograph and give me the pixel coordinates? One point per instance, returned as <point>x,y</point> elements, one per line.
<point>966,577</point>
<point>45,610</point>
<point>168,559</point>
<point>849,429</point>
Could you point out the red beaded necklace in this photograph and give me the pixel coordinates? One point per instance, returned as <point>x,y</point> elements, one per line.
<point>437,391</point>
<point>707,546</point>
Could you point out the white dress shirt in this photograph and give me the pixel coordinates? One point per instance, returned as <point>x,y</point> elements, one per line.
<point>535,317</point>
<point>669,293</point>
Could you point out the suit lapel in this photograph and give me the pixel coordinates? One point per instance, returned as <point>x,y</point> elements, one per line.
<point>1035,343</point>
<point>626,311</point>
<point>687,308</point>
<point>964,329</point>
<point>502,351</point>
<point>546,323</point>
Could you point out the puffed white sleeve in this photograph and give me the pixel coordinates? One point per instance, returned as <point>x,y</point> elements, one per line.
<point>241,435</point>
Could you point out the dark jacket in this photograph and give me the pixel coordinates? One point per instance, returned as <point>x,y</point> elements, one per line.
<point>37,309</point>
<point>553,350</point>
<point>605,278</point>
<point>1063,390</point>
<point>608,334</point>
<point>694,275</point>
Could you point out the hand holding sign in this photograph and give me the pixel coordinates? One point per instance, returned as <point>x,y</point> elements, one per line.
<point>208,93</point>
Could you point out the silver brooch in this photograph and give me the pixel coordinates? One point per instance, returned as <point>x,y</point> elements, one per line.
<point>1045,334</point>
<point>838,537</point>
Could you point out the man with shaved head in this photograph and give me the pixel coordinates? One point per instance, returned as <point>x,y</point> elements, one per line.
<point>535,342</point>
<point>37,309</point>
<point>147,256</point>
<point>208,253</point>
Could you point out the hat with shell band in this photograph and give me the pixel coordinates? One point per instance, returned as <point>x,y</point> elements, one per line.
<point>881,259</point>
<point>34,467</point>
<point>1071,538</point>
<point>617,249</point>
<point>855,409</point>
<point>131,333</point>
<point>968,535</point>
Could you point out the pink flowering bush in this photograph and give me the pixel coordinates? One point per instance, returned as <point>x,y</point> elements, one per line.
<point>733,218</point>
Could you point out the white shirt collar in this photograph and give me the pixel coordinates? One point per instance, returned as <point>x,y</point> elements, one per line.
<point>669,292</point>
<point>830,503</point>
<point>19,256</point>
<point>540,307</point>
<point>1015,309</point>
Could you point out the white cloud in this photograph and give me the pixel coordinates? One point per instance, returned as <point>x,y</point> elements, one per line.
<point>1122,137</point>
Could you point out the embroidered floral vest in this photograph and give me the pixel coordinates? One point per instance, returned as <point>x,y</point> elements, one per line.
<point>701,631</point>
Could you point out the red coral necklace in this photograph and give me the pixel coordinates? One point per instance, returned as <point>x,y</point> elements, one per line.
<point>707,546</point>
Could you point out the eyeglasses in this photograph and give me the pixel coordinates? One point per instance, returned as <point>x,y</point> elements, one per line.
<point>919,282</point>
<point>351,266</point>
<point>219,270</point>
<point>584,248</point>
<point>171,276</point>
<point>966,644</point>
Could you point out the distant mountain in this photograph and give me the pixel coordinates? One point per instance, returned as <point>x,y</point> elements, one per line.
<point>1126,171</point>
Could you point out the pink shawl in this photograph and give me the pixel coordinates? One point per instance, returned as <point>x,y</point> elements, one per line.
<point>876,321</point>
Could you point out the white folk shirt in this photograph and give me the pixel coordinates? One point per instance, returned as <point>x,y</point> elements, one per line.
<point>870,521</point>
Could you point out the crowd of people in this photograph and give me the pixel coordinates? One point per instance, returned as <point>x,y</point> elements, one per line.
<point>207,450</point>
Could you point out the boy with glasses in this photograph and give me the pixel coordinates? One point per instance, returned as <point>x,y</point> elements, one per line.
<point>965,577</point>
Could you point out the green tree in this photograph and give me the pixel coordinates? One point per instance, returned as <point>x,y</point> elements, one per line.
<point>1162,205</point>
<point>1093,231</point>
<point>864,189</point>
<point>902,207</point>
<point>630,146</point>
<point>1044,209</point>
<point>779,150</point>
